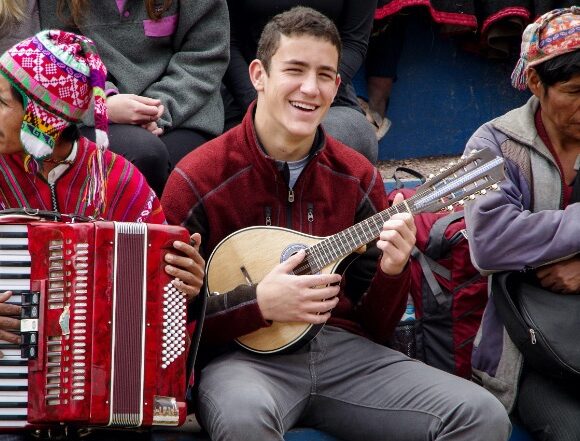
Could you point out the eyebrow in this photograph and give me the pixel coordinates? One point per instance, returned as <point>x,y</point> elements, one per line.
<point>302,63</point>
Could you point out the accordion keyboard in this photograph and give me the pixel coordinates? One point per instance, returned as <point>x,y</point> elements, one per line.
<point>15,277</point>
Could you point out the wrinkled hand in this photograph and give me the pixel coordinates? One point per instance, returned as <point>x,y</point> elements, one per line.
<point>562,277</point>
<point>396,241</point>
<point>188,268</point>
<point>285,297</point>
<point>133,109</point>
<point>7,323</point>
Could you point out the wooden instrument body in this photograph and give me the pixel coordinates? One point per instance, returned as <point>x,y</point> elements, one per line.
<point>246,257</point>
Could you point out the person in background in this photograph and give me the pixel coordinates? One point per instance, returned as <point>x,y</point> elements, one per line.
<point>279,168</point>
<point>381,63</point>
<point>530,224</point>
<point>353,18</point>
<point>46,165</point>
<point>165,61</point>
<point>18,20</point>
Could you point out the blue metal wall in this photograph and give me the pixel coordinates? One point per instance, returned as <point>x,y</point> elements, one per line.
<point>443,94</point>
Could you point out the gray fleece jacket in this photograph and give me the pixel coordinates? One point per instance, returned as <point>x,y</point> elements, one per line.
<point>13,33</point>
<point>520,226</point>
<point>179,59</point>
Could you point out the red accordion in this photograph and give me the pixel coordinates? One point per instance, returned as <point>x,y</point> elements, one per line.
<point>104,339</point>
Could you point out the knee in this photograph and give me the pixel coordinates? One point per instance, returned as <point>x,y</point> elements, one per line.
<point>352,129</point>
<point>241,414</point>
<point>144,150</point>
<point>487,417</point>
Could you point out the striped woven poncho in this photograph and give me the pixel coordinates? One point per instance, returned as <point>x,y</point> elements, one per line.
<point>128,196</point>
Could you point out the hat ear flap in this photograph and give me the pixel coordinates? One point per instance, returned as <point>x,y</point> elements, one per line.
<point>36,134</point>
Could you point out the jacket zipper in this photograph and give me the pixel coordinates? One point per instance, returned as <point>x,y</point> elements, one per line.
<point>289,208</point>
<point>53,197</point>
<point>310,217</point>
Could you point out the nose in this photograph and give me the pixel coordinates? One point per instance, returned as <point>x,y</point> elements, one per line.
<point>310,84</point>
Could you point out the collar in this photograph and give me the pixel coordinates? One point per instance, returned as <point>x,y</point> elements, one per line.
<point>66,163</point>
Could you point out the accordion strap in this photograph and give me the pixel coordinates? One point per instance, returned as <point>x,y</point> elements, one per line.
<point>44,214</point>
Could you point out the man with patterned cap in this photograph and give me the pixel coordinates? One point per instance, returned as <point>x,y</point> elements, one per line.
<point>532,222</point>
<point>47,83</point>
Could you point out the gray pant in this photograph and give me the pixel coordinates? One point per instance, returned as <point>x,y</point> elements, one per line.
<point>347,386</point>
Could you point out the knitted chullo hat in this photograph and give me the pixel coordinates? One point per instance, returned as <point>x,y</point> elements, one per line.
<point>555,33</point>
<point>58,73</point>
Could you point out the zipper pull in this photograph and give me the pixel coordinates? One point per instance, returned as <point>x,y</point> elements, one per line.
<point>268,211</point>
<point>310,211</point>
<point>533,336</point>
<point>290,195</point>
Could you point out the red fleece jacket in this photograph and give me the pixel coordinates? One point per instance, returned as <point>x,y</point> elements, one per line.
<point>230,183</point>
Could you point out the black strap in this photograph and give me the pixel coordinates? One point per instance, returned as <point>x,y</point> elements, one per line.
<point>200,317</point>
<point>399,183</point>
<point>437,233</point>
<point>429,267</point>
<point>45,214</point>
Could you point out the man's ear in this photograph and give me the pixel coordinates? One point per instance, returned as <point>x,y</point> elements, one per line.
<point>257,74</point>
<point>534,82</point>
<point>337,82</point>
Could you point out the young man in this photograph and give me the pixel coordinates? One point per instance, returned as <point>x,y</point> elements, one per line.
<point>279,168</point>
<point>532,222</point>
<point>46,85</point>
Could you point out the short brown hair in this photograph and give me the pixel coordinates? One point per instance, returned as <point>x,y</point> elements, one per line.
<point>297,21</point>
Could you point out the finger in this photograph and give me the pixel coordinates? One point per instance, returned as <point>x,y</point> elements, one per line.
<point>5,296</point>
<point>320,306</point>
<point>190,252</point>
<point>9,310</point>
<point>188,276</point>
<point>292,262</point>
<point>407,218</point>
<point>9,324</point>
<point>316,319</point>
<point>392,239</point>
<point>147,113</point>
<point>195,240</point>
<point>147,101</point>
<point>325,293</point>
<point>398,198</point>
<point>9,337</point>
<point>160,110</point>
<point>320,280</point>
<point>190,291</point>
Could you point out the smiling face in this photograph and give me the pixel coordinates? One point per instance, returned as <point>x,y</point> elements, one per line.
<point>560,106</point>
<point>11,116</point>
<point>296,93</point>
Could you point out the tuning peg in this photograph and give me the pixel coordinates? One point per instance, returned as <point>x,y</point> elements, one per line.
<point>452,163</point>
<point>431,176</point>
<point>461,202</point>
<point>450,208</point>
<point>495,187</point>
<point>471,196</point>
<point>484,191</point>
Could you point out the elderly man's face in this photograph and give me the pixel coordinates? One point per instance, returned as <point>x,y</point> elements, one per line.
<point>11,115</point>
<point>560,105</point>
